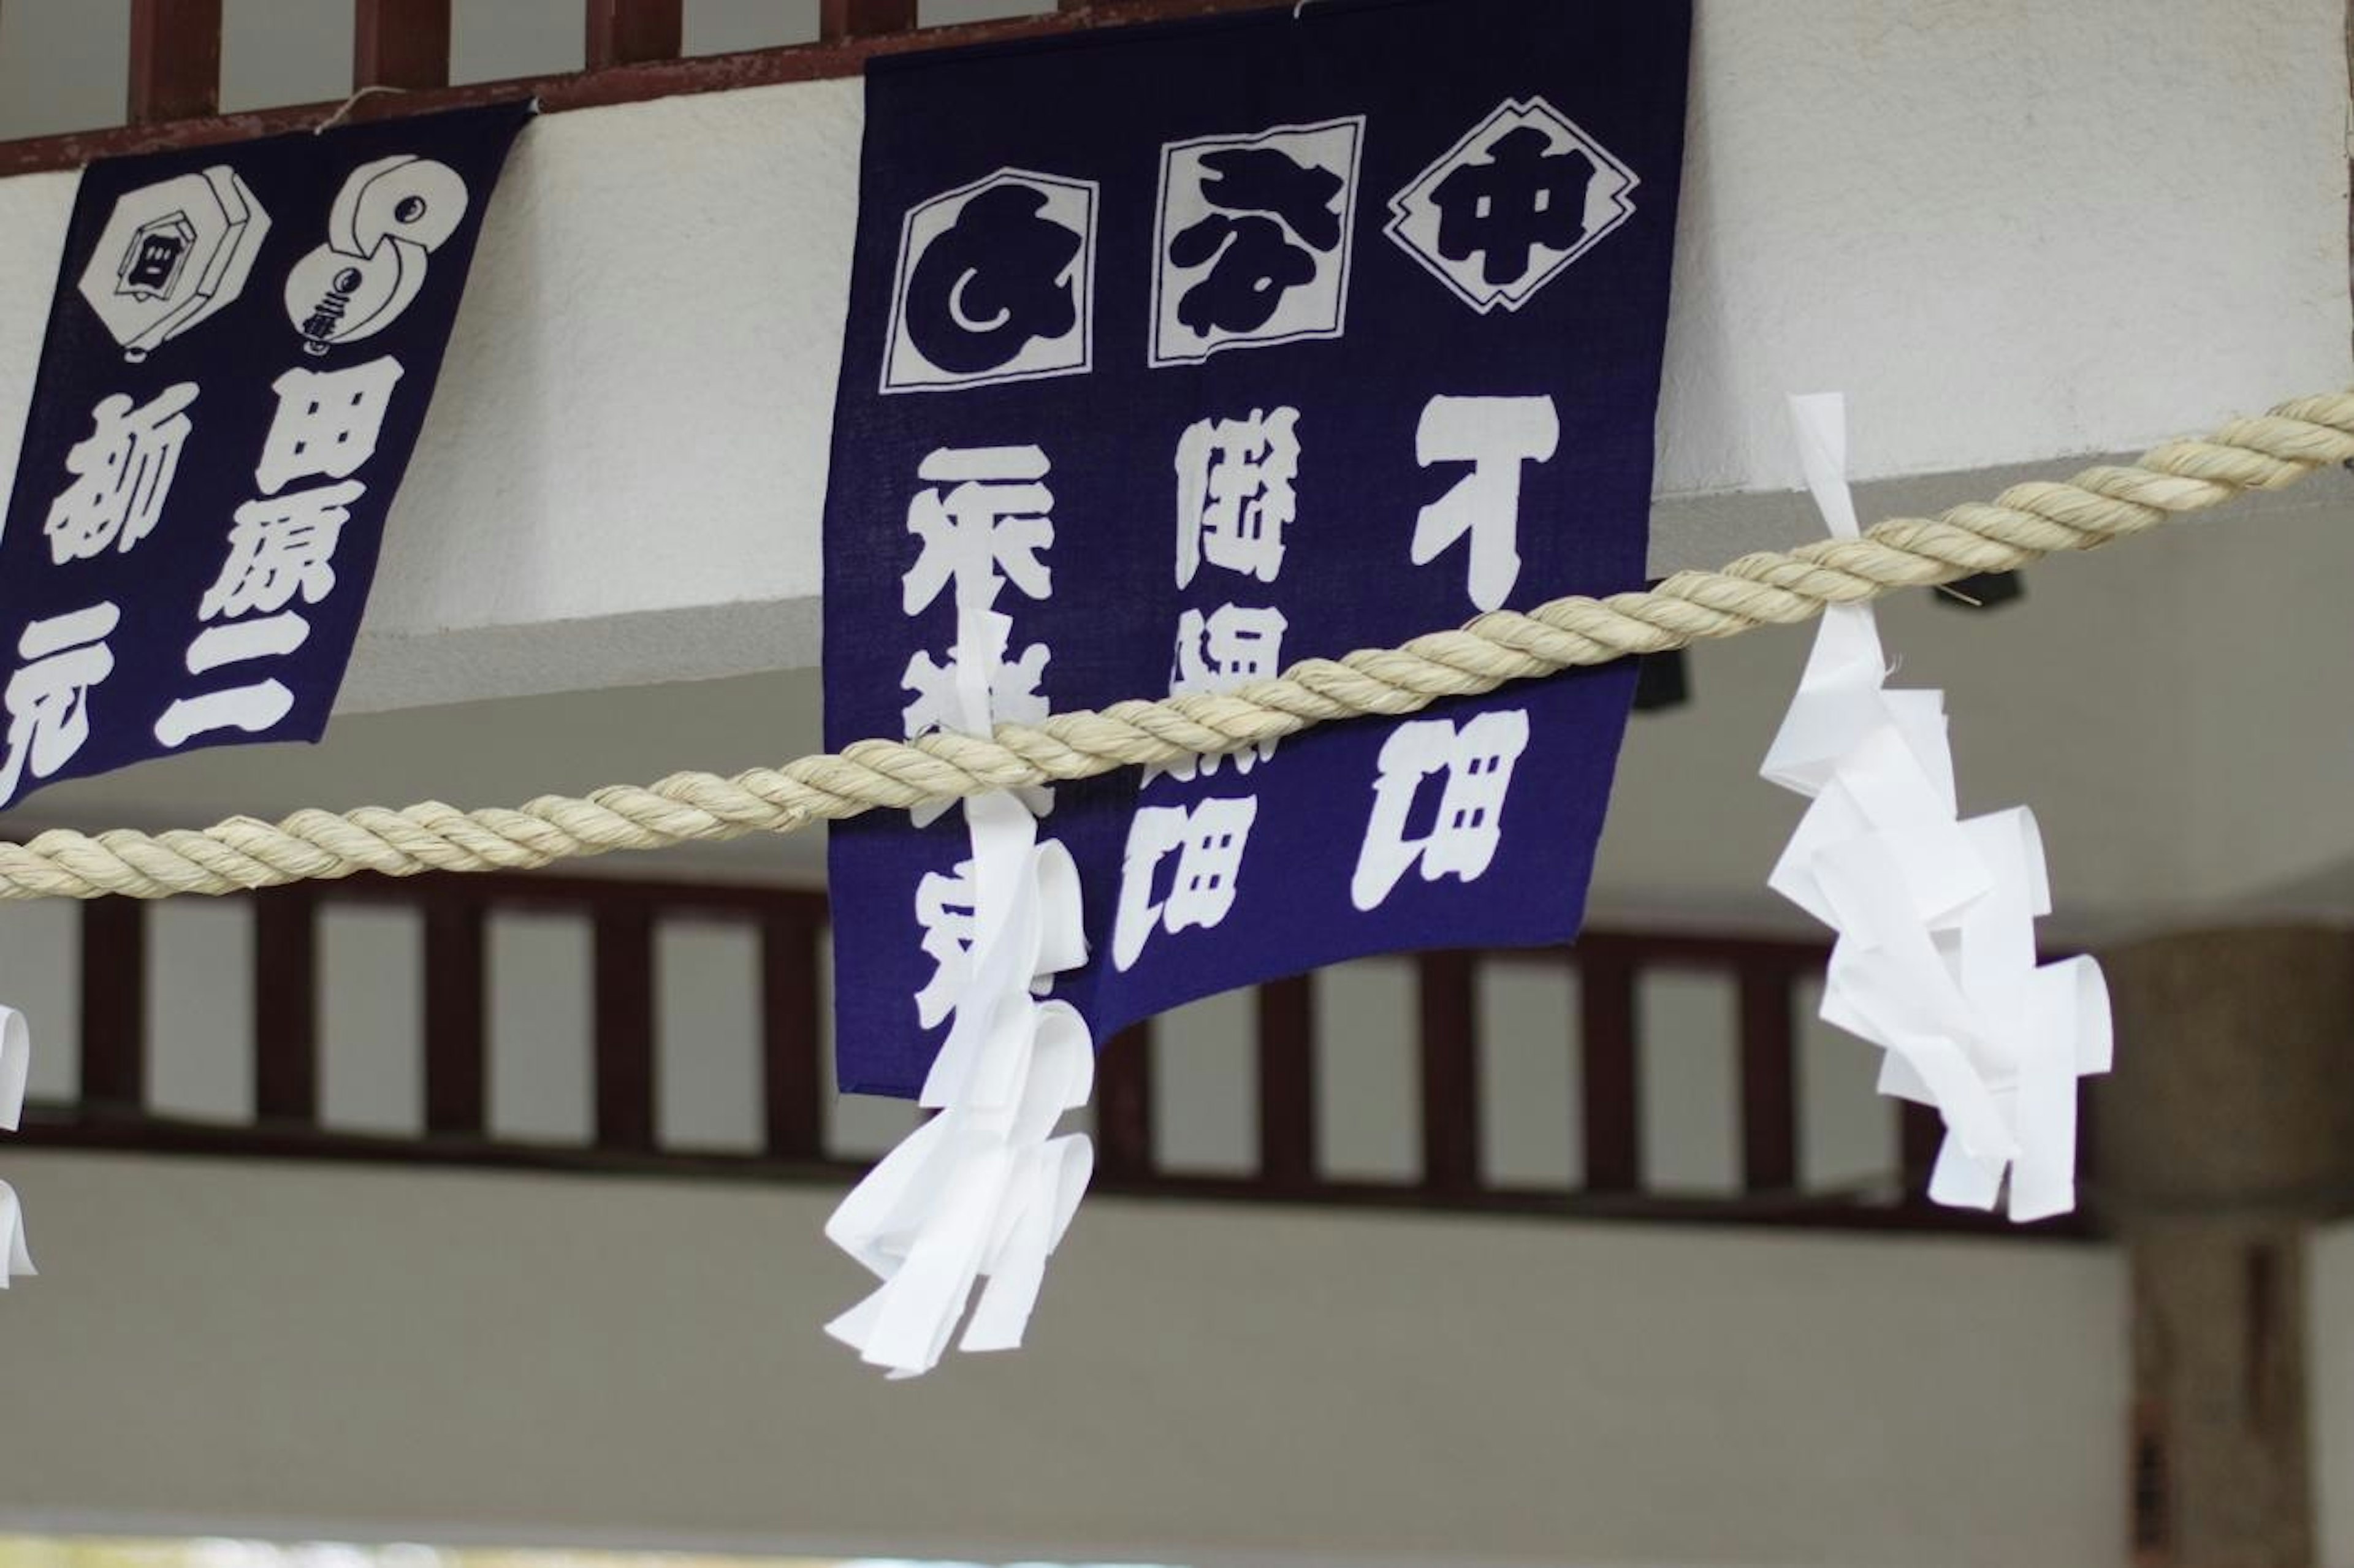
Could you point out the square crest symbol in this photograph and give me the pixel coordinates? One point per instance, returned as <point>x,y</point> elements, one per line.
<point>1505,210</point>
<point>1254,237</point>
<point>995,282</point>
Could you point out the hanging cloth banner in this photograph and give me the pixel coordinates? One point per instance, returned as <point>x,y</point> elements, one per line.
<point>1179,353</point>
<point>239,353</point>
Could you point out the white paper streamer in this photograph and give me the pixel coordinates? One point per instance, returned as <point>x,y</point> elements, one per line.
<point>16,1064</point>
<point>982,1192</point>
<point>1936,959</point>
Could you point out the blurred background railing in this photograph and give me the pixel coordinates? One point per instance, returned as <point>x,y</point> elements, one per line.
<point>183,86</point>
<point>643,1018</point>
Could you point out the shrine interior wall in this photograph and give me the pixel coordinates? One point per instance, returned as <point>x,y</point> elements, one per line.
<point>336,1352</point>
<point>2330,1298</point>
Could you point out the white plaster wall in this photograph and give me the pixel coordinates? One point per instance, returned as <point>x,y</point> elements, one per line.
<point>369,1353</point>
<point>2005,255</point>
<point>2330,1263</point>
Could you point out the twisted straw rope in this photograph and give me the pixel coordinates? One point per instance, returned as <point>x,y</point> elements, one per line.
<point>1771,588</point>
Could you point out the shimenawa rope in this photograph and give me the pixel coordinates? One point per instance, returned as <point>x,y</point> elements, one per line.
<point>1771,588</point>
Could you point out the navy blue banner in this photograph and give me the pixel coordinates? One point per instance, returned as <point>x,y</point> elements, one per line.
<point>1178,354</point>
<point>239,354</point>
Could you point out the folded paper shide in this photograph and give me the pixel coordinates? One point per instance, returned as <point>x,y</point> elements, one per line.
<point>1935,961</point>
<point>983,1189</point>
<point>16,1066</point>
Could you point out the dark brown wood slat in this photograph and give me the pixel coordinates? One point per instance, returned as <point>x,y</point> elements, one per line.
<point>1769,1080</point>
<point>634,32</point>
<point>1287,1083</point>
<point>54,1128</point>
<point>1920,1133</point>
<point>597,89</point>
<point>1612,1067</point>
<point>1446,985</point>
<point>286,1004</point>
<point>624,1026</point>
<point>175,54</point>
<point>114,1004</point>
<point>864,19</point>
<point>457,997</point>
<point>1678,950</point>
<point>1124,1105</point>
<point>400,43</point>
<point>2088,1153</point>
<point>791,1038</point>
<point>570,894</point>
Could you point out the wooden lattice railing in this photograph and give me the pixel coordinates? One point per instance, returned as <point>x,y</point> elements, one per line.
<point>632,52</point>
<point>1606,1047</point>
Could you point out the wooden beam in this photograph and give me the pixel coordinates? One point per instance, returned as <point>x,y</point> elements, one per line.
<point>175,52</point>
<point>286,1004</point>
<point>114,1004</point>
<point>1769,1080</point>
<point>1124,1105</point>
<point>457,1086</point>
<point>1287,1083</point>
<point>824,60</point>
<point>569,894</point>
<point>864,19</point>
<point>634,32</point>
<point>1447,995</point>
<point>400,43</point>
<point>624,1026</point>
<point>791,1036</point>
<point>1612,1067</point>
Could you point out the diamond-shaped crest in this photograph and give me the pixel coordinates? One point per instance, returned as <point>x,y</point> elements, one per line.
<point>1502,212</point>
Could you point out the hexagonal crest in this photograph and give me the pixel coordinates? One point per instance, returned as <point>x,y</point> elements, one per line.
<point>172,254</point>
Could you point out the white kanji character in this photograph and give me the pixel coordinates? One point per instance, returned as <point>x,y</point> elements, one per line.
<point>279,549</point>
<point>986,530</point>
<point>1232,646</point>
<point>262,637</point>
<point>251,708</point>
<point>1209,842</point>
<point>1478,761</point>
<point>48,698</point>
<point>1234,492</point>
<point>976,689</point>
<point>1495,436</point>
<point>327,423</point>
<point>123,475</point>
<point>1013,694</point>
<point>944,908</point>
